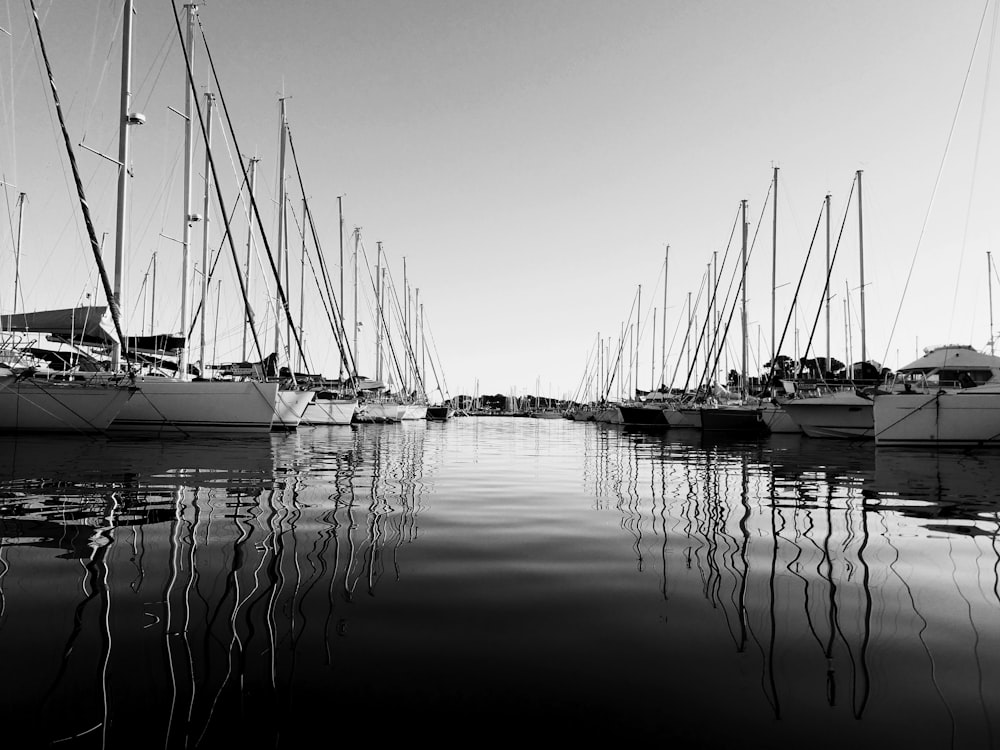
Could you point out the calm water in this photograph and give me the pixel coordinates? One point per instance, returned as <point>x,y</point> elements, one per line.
<point>497,578</point>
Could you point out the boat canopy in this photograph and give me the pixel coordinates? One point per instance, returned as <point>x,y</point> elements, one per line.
<point>78,325</point>
<point>953,357</point>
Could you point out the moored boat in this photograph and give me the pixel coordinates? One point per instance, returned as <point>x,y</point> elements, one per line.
<point>950,396</point>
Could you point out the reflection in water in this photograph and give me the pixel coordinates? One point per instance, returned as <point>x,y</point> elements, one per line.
<point>487,578</point>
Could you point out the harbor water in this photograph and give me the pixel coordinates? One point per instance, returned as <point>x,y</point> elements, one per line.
<point>497,579</point>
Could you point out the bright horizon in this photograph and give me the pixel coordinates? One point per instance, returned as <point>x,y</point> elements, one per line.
<point>531,162</point>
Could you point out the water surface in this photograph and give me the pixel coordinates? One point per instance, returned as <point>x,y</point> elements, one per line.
<point>497,578</point>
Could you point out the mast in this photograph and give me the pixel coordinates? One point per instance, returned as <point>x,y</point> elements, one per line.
<point>152,301</point>
<point>251,189</point>
<point>652,356</point>
<point>123,158</point>
<point>281,228</point>
<point>209,99</point>
<point>861,251</point>
<point>340,226</point>
<point>189,216</point>
<point>17,247</point>
<point>774,268</point>
<point>302,285</point>
<point>638,336</point>
<point>829,361</point>
<point>379,285</point>
<point>663,342</point>
<point>357,239</point>
<point>743,303</point>
<point>989,279</point>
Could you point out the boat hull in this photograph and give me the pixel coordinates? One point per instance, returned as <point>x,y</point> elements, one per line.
<point>326,411</point>
<point>643,416</point>
<point>612,415</point>
<point>733,420</point>
<point>164,407</point>
<point>36,405</point>
<point>414,412</point>
<point>289,408</point>
<point>379,411</point>
<point>778,420</point>
<point>842,416</point>
<point>439,413</point>
<point>964,417</point>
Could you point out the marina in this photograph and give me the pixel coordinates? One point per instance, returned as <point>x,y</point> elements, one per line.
<point>497,578</point>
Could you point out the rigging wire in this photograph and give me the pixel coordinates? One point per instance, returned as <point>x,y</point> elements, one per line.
<point>937,180</point>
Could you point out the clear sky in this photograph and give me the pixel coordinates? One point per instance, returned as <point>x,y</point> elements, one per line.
<point>531,161</point>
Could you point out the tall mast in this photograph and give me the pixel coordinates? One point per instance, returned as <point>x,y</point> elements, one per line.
<point>123,159</point>
<point>189,216</point>
<point>379,285</point>
<point>152,301</point>
<point>17,248</point>
<point>281,228</point>
<point>743,303</point>
<point>340,226</point>
<point>989,279</point>
<point>829,365</point>
<point>251,189</point>
<point>663,342</point>
<point>774,268</point>
<point>638,336</point>
<point>302,286</point>
<point>652,356</point>
<point>209,99</point>
<point>861,250</point>
<point>357,239</point>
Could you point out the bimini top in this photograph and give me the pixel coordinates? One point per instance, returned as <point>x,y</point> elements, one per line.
<point>952,357</point>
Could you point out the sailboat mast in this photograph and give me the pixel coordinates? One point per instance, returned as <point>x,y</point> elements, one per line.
<point>251,189</point>
<point>302,285</point>
<point>861,251</point>
<point>989,279</point>
<point>829,361</point>
<point>379,285</point>
<point>281,226</point>
<point>663,335</point>
<point>17,247</point>
<point>743,303</point>
<point>123,159</point>
<point>209,99</point>
<point>340,227</point>
<point>189,217</point>
<point>152,301</point>
<point>357,239</point>
<point>774,268</point>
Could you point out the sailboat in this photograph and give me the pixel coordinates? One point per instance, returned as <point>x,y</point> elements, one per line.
<point>744,415</point>
<point>36,399</point>
<point>844,413</point>
<point>179,405</point>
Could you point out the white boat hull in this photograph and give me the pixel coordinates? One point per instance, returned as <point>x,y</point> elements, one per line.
<point>963,417</point>
<point>844,416</point>
<point>414,411</point>
<point>778,420</point>
<point>330,411</point>
<point>289,407</point>
<point>377,411</point>
<point>165,406</point>
<point>36,405</point>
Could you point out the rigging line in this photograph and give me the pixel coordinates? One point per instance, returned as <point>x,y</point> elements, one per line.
<point>792,310</point>
<point>253,201</point>
<point>975,171</point>
<point>95,247</point>
<point>937,180</point>
<point>340,333</point>
<point>826,287</point>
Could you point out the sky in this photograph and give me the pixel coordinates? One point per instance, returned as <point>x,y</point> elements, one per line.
<point>525,166</point>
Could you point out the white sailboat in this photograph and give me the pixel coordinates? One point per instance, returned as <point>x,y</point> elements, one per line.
<point>46,400</point>
<point>843,414</point>
<point>179,405</point>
